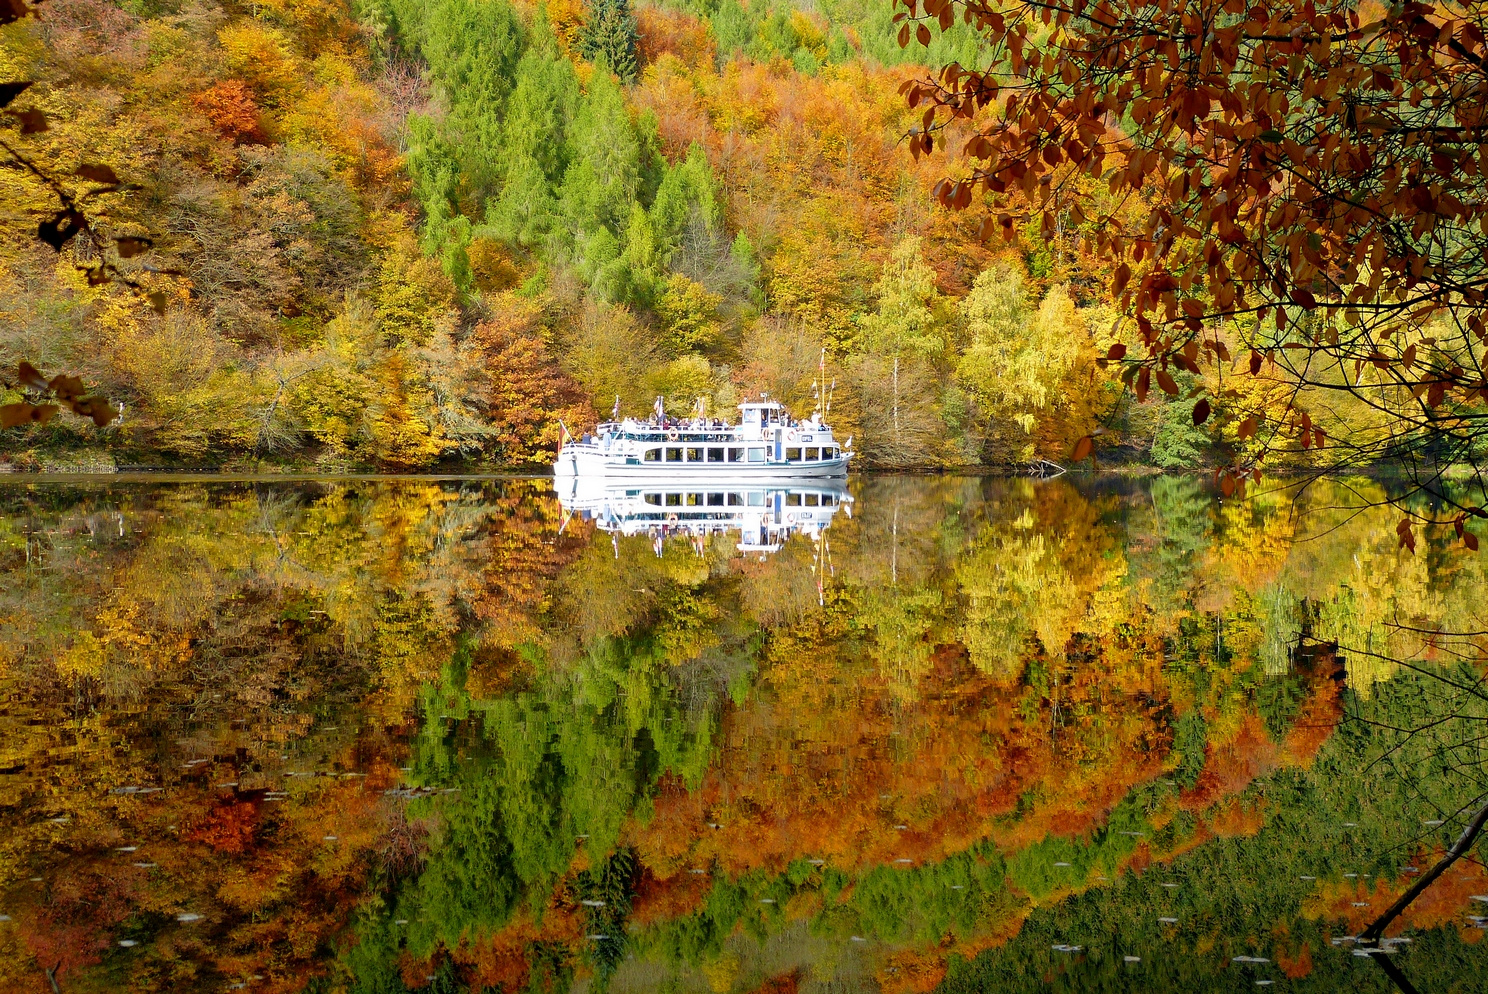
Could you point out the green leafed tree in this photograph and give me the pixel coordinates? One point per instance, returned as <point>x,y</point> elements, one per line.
<point>686,198</point>
<point>899,340</point>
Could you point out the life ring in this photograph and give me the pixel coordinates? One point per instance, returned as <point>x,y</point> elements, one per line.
<point>673,435</point>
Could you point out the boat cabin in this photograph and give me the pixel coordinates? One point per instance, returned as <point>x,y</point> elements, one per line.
<point>763,413</point>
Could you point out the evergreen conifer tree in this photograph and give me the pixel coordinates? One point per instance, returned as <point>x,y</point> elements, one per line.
<point>472,50</point>
<point>534,151</point>
<point>610,37</point>
<point>603,178</point>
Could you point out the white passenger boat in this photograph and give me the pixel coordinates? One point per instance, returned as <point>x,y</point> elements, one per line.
<point>764,516</point>
<point>767,444</point>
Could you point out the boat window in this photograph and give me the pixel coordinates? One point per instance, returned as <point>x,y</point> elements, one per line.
<point>673,455</point>
<point>694,455</point>
<point>693,500</point>
<point>828,500</point>
<point>715,500</point>
<point>813,454</point>
<point>829,453</point>
<point>811,500</point>
<point>735,455</point>
<point>756,455</point>
<point>653,455</point>
<point>735,500</point>
<point>792,500</point>
<point>673,500</point>
<point>792,455</point>
<point>715,455</point>
<point>756,499</point>
<point>653,499</point>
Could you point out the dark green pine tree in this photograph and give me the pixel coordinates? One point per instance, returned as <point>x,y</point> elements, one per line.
<point>610,37</point>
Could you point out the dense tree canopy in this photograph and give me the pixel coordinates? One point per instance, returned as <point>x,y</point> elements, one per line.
<point>1307,183</point>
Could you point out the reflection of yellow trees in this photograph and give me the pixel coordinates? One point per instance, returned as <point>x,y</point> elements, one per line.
<point>1036,577</point>
<point>253,611</point>
<point>1367,591</point>
<point>1253,540</point>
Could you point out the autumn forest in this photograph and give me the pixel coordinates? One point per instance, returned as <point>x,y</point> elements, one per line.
<point>405,235</point>
<point>1142,649</point>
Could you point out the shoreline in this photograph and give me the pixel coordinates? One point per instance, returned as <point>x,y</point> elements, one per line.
<point>214,474</point>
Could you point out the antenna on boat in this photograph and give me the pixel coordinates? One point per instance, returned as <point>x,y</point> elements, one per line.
<point>615,414</point>
<point>821,378</point>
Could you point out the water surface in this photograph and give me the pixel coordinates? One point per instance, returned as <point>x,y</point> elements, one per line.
<point>935,734</point>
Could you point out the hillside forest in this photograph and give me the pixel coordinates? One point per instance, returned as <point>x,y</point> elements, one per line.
<point>412,233</point>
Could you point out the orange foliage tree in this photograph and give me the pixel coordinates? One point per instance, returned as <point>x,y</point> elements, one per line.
<point>230,106</point>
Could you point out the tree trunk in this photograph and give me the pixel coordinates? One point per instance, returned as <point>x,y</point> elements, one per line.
<point>896,399</point>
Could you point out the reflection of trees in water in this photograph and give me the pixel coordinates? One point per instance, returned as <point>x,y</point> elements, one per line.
<point>1011,672</point>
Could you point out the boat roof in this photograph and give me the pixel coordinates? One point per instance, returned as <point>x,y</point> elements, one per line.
<point>772,405</point>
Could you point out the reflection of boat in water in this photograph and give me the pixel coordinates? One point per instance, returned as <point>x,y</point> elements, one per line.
<point>767,444</point>
<point>763,515</point>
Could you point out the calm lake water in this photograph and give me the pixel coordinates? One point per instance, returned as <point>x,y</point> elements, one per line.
<point>914,734</point>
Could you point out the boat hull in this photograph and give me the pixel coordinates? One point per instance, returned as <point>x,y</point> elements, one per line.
<point>579,460</point>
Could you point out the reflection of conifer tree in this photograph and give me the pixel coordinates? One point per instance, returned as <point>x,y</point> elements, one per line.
<point>610,37</point>
<point>1183,525</point>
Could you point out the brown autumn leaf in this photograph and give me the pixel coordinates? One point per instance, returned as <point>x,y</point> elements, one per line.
<point>1082,448</point>
<point>1117,351</point>
<point>1246,430</point>
<point>9,91</point>
<point>1201,412</point>
<point>1470,540</point>
<point>28,376</point>
<point>97,408</point>
<point>1406,535</point>
<point>61,227</point>
<point>97,173</point>
<point>14,415</point>
<point>1165,380</point>
<point>66,387</point>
